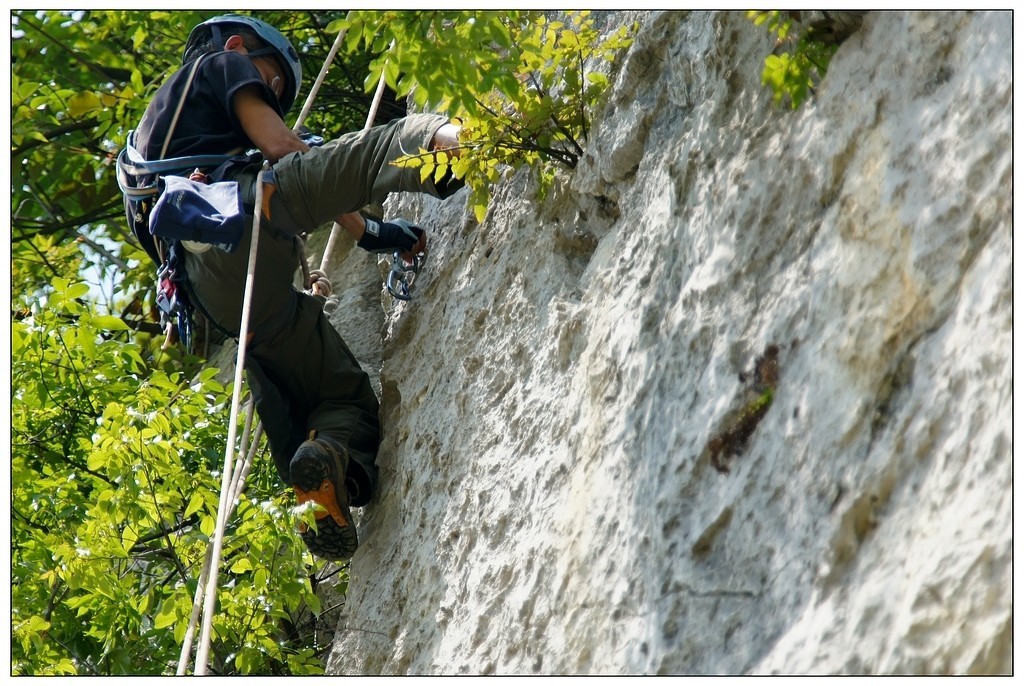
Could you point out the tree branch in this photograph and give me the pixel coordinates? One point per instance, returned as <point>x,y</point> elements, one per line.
<point>53,133</point>
<point>66,459</point>
<point>140,544</point>
<point>108,73</point>
<point>25,227</point>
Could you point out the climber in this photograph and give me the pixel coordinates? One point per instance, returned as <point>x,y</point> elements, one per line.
<point>316,404</point>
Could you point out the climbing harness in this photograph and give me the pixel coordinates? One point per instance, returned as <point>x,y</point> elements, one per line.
<point>142,185</point>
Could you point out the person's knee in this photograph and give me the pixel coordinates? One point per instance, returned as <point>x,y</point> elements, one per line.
<point>447,138</point>
<point>277,211</point>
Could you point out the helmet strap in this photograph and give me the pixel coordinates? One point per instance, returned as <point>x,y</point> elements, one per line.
<point>215,34</point>
<point>263,51</point>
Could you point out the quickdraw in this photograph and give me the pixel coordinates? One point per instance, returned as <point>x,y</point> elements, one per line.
<point>174,306</point>
<point>403,275</point>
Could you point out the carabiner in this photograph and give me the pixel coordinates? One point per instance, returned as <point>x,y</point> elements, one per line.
<point>404,274</point>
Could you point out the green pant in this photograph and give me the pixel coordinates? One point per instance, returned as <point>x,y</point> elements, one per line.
<point>302,374</point>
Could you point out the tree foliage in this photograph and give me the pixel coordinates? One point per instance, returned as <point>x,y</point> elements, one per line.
<point>792,74</point>
<point>523,86</point>
<point>114,498</point>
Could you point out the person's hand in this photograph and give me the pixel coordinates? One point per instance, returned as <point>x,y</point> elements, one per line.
<point>419,247</point>
<point>397,234</point>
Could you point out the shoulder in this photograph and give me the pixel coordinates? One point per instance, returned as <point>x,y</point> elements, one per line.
<point>229,72</point>
<point>230,65</point>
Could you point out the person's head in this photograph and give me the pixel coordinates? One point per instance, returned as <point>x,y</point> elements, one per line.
<point>257,39</point>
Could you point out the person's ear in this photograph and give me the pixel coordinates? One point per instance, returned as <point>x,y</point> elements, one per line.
<point>234,43</point>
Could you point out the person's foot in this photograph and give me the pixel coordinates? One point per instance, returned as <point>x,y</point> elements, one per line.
<point>318,474</point>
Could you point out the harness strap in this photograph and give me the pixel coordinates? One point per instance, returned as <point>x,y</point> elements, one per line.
<point>181,104</point>
<point>130,161</point>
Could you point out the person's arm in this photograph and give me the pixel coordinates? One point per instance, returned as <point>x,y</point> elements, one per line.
<point>264,126</point>
<point>354,223</point>
<point>272,136</point>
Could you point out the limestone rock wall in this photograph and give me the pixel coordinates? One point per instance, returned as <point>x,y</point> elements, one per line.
<point>549,503</point>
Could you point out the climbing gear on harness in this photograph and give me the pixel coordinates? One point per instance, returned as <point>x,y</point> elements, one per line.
<point>277,45</point>
<point>402,275</point>
<point>319,284</point>
<point>172,300</point>
<point>318,475</point>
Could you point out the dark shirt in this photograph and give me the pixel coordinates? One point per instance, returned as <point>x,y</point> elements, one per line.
<point>207,124</point>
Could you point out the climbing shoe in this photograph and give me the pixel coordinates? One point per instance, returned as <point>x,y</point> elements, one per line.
<point>318,474</point>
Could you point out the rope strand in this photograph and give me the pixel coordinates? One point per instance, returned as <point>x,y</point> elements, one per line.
<point>218,537</point>
<point>236,491</point>
<point>374,105</point>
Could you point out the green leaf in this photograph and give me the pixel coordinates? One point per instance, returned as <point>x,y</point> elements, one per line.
<point>166,616</point>
<point>391,73</point>
<point>83,103</point>
<point>85,341</point>
<point>241,565</point>
<point>207,525</point>
<point>408,161</point>
<point>96,460</point>
<point>195,503</point>
<point>77,290</point>
<point>110,323</point>
<point>260,578</point>
<point>136,81</point>
<point>313,602</point>
<point>139,37</point>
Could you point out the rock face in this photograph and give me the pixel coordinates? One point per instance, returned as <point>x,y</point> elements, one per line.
<point>549,502</point>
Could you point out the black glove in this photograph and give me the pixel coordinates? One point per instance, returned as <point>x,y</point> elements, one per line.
<point>396,234</point>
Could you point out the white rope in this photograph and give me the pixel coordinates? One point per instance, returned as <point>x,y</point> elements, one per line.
<point>238,484</point>
<point>319,80</point>
<point>232,483</point>
<point>225,488</point>
<point>302,117</point>
<point>336,228</point>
